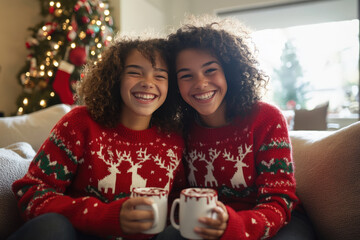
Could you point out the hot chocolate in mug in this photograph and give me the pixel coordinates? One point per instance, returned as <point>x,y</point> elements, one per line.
<point>159,207</point>
<point>193,204</point>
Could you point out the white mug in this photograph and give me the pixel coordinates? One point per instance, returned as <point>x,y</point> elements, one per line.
<point>193,204</point>
<point>159,207</point>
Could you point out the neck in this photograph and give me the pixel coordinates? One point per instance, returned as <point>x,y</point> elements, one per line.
<point>138,123</point>
<point>216,119</point>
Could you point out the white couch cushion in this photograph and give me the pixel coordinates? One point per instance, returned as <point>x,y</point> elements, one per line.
<point>14,163</point>
<point>32,128</point>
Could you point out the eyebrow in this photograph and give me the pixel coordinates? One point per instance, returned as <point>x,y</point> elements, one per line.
<point>139,67</point>
<point>204,65</point>
<point>133,66</point>
<point>161,70</point>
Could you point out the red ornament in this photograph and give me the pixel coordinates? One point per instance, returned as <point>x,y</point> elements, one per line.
<point>76,7</point>
<point>90,32</point>
<point>77,56</point>
<point>51,10</point>
<point>85,19</point>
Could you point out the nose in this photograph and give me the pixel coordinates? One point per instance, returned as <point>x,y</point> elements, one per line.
<point>201,82</point>
<point>147,82</point>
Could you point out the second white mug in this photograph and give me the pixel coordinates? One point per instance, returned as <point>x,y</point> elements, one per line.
<point>193,204</point>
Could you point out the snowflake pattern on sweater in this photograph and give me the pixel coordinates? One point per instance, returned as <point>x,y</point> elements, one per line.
<point>86,172</point>
<point>249,163</point>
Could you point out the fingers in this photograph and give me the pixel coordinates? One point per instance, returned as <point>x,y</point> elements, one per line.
<point>133,219</point>
<point>133,202</point>
<point>132,227</point>
<point>224,214</point>
<point>134,209</point>
<point>208,233</point>
<point>215,227</point>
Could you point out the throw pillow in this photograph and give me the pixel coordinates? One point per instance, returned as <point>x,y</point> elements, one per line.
<point>314,119</point>
<point>32,128</point>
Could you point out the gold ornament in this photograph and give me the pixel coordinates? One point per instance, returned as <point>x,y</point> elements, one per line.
<point>82,35</point>
<point>58,12</point>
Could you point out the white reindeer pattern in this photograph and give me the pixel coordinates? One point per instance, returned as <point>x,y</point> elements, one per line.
<point>190,160</point>
<point>238,178</point>
<point>209,177</point>
<point>174,162</point>
<point>136,179</point>
<point>109,181</point>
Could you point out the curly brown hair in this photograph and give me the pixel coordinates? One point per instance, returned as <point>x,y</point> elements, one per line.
<point>99,89</point>
<point>230,42</point>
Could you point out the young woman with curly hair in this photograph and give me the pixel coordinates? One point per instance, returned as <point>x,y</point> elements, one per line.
<point>78,184</point>
<point>235,143</point>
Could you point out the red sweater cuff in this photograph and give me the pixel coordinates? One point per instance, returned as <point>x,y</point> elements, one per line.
<point>111,223</point>
<point>243,225</point>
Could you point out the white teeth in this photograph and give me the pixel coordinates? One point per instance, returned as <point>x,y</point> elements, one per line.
<point>204,96</point>
<point>145,96</point>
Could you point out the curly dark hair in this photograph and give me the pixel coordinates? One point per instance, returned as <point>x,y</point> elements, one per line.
<point>230,42</point>
<point>99,88</point>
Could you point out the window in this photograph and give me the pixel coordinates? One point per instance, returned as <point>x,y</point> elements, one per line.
<point>312,64</point>
<point>311,52</point>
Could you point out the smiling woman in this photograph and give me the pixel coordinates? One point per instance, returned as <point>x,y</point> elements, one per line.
<point>235,143</point>
<point>98,153</point>
<point>143,89</point>
<point>202,85</point>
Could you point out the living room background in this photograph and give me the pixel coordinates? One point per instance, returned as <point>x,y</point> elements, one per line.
<point>129,16</point>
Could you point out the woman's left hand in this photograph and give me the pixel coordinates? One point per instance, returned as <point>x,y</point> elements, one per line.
<point>215,227</point>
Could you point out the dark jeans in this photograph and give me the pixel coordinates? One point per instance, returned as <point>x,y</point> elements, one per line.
<point>299,228</point>
<point>50,226</point>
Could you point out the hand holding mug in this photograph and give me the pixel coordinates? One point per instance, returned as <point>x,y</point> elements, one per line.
<point>215,228</point>
<point>196,204</point>
<point>133,220</point>
<point>158,208</point>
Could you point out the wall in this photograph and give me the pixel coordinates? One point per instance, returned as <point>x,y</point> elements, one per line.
<point>129,16</point>
<point>139,15</point>
<point>16,17</point>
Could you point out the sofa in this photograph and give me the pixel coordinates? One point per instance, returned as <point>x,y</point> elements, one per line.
<point>327,171</point>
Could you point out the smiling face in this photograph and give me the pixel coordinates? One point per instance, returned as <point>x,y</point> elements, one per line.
<point>143,89</point>
<point>202,85</point>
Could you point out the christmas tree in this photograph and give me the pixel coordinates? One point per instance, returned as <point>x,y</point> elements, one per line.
<point>72,32</point>
<point>291,90</point>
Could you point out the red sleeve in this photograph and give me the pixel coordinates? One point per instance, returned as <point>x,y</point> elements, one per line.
<point>275,182</point>
<point>42,189</point>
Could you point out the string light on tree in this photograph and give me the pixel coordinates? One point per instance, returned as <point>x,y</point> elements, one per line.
<point>42,103</point>
<point>20,111</point>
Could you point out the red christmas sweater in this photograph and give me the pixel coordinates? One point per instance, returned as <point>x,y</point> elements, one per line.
<point>249,162</point>
<point>85,172</point>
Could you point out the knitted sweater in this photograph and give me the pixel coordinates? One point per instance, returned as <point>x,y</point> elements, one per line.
<point>249,163</point>
<point>85,171</point>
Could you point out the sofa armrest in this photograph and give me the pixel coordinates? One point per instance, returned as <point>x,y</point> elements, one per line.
<point>327,170</point>
<point>14,163</point>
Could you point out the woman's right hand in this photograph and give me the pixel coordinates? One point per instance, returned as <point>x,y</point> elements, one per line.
<point>132,220</point>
